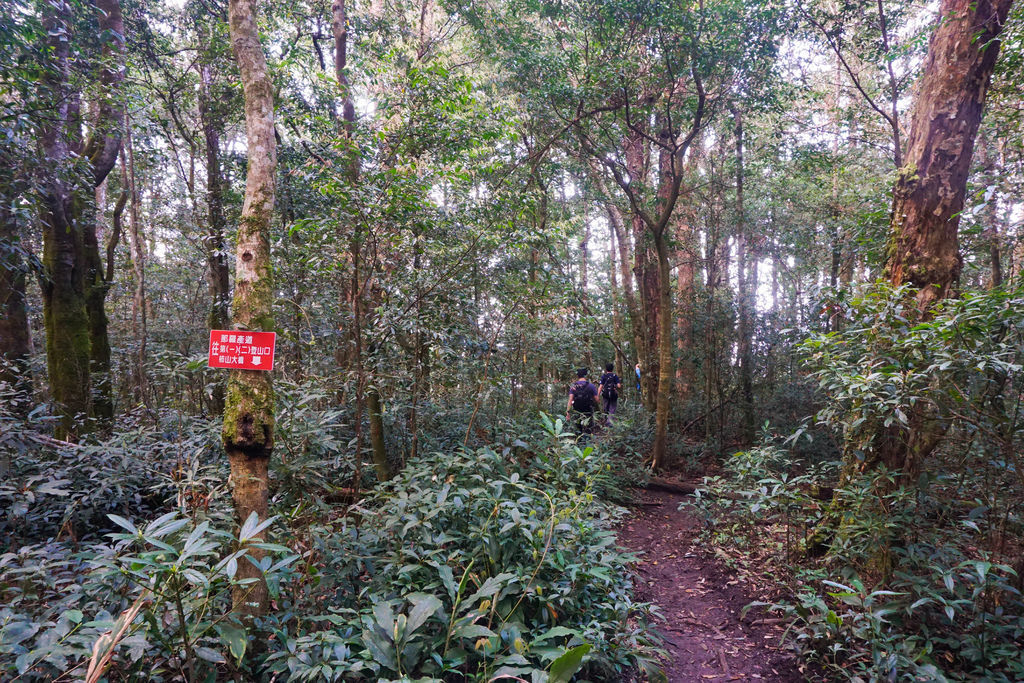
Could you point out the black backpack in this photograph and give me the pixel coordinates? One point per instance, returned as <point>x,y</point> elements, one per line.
<point>609,382</point>
<point>583,397</point>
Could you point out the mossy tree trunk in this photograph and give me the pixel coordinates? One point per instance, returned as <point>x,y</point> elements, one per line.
<point>665,369</point>
<point>248,431</point>
<point>63,277</point>
<point>74,285</point>
<point>101,150</point>
<point>15,340</point>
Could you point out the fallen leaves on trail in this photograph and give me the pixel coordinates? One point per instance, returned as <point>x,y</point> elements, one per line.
<point>700,602</point>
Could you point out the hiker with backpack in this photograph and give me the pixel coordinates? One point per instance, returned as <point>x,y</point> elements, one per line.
<point>582,399</point>
<point>610,384</point>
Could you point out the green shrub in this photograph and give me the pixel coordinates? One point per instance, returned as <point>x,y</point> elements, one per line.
<point>916,582</point>
<point>472,564</point>
<point>490,562</point>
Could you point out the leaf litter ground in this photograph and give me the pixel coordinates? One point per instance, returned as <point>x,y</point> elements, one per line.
<point>701,602</point>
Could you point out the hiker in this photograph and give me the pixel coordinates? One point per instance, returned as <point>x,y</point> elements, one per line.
<point>609,384</point>
<point>637,370</point>
<point>582,397</point>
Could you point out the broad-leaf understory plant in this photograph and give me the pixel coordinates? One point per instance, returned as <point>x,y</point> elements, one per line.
<point>490,564</point>
<point>921,578</point>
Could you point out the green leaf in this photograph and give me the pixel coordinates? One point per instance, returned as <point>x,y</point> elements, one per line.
<point>123,523</point>
<point>563,668</point>
<point>555,632</point>
<point>253,526</point>
<point>448,579</point>
<point>234,638</point>
<point>382,653</point>
<point>474,631</point>
<point>16,632</point>
<point>384,618</point>
<point>423,607</point>
<point>209,654</point>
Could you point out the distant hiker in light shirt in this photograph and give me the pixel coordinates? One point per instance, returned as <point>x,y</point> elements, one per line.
<point>582,397</point>
<point>637,371</point>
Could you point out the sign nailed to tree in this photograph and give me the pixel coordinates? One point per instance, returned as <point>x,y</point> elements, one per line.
<point>242,350</point>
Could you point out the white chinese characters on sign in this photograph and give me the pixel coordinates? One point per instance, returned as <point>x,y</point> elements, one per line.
<point>243,351</point>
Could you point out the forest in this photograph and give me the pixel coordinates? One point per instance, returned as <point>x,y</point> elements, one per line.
<point>511,340</point>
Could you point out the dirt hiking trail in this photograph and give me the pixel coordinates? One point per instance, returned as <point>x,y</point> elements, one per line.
<point>701,602</point>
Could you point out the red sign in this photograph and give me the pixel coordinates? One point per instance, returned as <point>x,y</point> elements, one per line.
<point>241,350</point>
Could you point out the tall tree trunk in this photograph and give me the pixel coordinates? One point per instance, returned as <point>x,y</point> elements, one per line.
<point>665,372</point>
<point>930,188</point>
<point>927,200</point>
<point>63,280</point>
<point>645,270</point>
<point>622,240</point>
<point>248,430</point>
<point>743,293</point>
<point>669,171</point>
<point>588,351</point>
<point>712,280</point>
<point>218,283</point>
<point>344,354</point>
<point>101,150</point>
<point>991,232</point>
<point>613,280</point>
<point>138,254</point>
<point>15,340</point>
<point>367,394</point>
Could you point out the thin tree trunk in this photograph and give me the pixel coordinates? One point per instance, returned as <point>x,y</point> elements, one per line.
<point>15,339</point>
<point>991,232</point>
<point>894,93</point>
<point>138,253</point>
<point>367,394</point>
<point>620,359</point>
<point>743,294</point>
<point>248,430</point>
<point>645,270</point>
<point>218,275</point>
<point>588,352</point>
<point>622,239</point>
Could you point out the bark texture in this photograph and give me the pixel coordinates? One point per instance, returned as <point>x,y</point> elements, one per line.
<point>101,150</point>
<point>15,341</point>
<point>63,278</point>
<point>248,430</point>
<point>645,270</point>
<point>74,286</point>
<point>930,189</point>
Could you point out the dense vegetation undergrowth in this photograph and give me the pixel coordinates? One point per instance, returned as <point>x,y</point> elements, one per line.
<point>921,580</point>
<point>485,563</point>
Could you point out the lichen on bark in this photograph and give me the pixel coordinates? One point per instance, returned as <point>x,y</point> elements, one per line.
<point>248,429</point>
